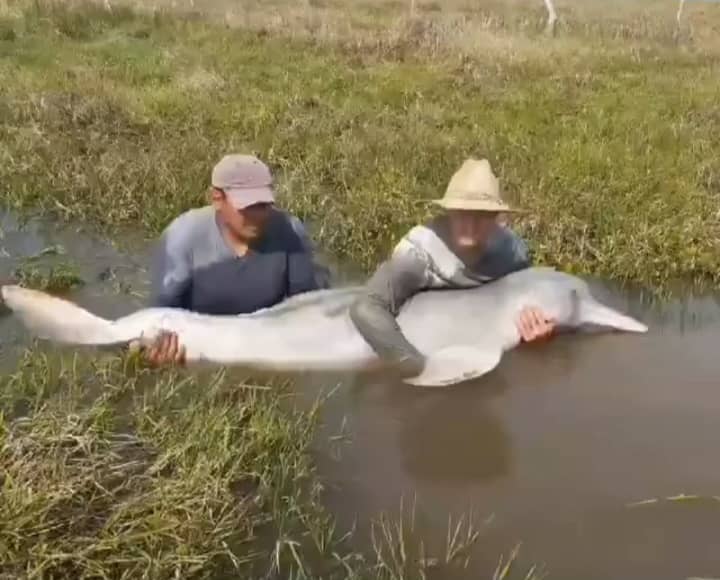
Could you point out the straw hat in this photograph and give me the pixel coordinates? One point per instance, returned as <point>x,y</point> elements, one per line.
<point>474,187</point>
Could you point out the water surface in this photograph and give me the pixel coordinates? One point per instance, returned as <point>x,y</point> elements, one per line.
<point>557,445</point>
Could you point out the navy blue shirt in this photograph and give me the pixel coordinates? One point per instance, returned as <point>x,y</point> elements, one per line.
<point>197,270</point>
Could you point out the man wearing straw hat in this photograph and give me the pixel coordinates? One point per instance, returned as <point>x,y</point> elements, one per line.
<point>465,246</point>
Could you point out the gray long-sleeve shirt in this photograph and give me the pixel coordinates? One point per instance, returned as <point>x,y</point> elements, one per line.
<point>423,260</point>
<point>195,269</point>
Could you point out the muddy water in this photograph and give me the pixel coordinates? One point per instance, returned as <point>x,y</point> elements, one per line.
<point>553,449</point>
<point>114,282</point>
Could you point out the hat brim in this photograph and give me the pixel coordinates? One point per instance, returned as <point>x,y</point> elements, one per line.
<point>474,205</point>
<point>243,198</point>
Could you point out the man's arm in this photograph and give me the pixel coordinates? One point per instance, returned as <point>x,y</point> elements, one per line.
<point>392,284</point>
<point>170,280</point>
<point>171,271</point>
<point>301,273</point>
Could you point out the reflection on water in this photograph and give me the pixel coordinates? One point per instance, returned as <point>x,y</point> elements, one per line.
<point>555,444</point>
<point>425,445</point>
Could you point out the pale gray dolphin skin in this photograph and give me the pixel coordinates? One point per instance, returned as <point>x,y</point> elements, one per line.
<point>464,333</point>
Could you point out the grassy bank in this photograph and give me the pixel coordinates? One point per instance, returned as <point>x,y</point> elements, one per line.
<point>107,473</point>
<point>116,119</point>
<point>608,134</point>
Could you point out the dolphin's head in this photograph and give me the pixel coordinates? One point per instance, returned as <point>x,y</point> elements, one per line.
<point>558,296</point>
<point>573,307</point>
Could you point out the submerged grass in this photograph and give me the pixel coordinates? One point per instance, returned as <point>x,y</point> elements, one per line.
<point>55,278</point>
<point>607,134</point>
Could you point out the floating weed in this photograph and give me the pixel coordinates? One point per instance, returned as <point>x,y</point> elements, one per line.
<point>679,498</point>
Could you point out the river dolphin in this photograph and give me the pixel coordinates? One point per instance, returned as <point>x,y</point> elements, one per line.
<point>463,332</point>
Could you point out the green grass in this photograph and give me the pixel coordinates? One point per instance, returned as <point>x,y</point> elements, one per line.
<point>607,134</point>
<point>108,473</point>
<point>116,119</point>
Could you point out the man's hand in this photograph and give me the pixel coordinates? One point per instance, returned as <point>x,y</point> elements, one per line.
<point>166,351</point>
<point>534,326</point>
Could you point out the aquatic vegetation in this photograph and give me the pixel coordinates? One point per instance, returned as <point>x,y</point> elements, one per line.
<point>52,278</point>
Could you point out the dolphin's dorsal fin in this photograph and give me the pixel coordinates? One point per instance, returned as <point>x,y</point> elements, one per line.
<point>455,364</point>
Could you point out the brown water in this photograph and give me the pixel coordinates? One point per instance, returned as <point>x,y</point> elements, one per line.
<point>552,447</point>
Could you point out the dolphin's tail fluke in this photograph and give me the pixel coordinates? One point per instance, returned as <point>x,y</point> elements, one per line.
<point>592,312</point>
<point>51,318</point>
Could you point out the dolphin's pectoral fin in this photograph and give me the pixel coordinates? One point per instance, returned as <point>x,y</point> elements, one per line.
<point>455,364</point>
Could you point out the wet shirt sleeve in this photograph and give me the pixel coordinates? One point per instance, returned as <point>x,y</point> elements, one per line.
<point>171,269</point>
<point>301,273</point>
<point>373,314</point>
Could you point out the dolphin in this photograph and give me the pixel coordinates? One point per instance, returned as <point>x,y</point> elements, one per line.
<point>462,332</point>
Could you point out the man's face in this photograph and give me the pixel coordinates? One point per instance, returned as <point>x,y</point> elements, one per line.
<point>471,229</point>
<point>246,224</point>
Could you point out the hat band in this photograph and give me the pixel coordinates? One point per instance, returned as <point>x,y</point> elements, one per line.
<point>473,196</point>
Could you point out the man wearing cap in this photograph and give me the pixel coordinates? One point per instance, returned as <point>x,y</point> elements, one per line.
<point>237,255</point>
<point>466,246</point>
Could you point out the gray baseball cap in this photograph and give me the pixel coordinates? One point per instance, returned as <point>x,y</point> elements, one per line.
<point>245,180</point>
